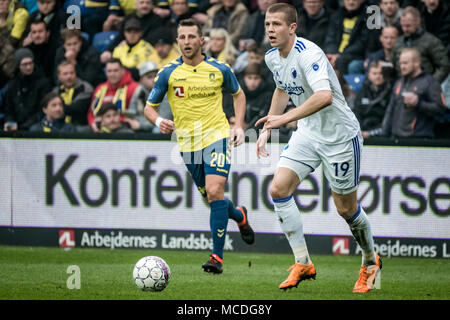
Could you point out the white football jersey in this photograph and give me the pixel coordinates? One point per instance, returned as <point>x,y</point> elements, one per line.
<point>305,65</point>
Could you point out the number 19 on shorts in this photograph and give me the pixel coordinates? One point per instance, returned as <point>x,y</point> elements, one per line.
<point>340,169</point>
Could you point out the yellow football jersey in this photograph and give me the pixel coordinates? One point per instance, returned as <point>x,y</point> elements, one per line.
<point>195,97</point>
<point>133,57</point>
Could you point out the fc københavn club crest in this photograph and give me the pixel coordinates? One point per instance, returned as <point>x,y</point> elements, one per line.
<point>294,73</point>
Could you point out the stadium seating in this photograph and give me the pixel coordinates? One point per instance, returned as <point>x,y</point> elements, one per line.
<point>355,81</point>
<point>102,40</point>
<point>86,36</point>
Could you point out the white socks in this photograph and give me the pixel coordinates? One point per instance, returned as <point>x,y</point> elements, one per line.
<point>292,226</point>
<point>360,227</point>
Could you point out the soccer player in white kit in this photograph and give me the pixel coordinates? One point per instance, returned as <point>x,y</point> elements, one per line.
<point>328,133</point>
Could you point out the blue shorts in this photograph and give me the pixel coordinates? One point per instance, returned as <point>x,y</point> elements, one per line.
<point>214,159</point>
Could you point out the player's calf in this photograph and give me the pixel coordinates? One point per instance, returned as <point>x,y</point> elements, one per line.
<point>247,233</point>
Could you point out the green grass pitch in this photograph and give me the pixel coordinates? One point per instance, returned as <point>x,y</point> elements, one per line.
<point>36,273</point>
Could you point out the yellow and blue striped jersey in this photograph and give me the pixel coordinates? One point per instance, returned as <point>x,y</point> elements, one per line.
<point>195,97</point>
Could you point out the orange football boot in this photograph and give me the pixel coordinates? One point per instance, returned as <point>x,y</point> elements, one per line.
<point>298,273</point>
<point>367,276</point>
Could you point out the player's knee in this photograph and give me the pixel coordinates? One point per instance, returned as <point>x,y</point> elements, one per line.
<point>347,211</point>
<point>278,191</point>
<point>215,193</point>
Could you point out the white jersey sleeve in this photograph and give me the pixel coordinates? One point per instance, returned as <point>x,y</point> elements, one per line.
<point>313,62</point>
<point>304,71</point>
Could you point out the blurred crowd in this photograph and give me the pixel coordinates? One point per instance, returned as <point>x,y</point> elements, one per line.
<point>91,67</point>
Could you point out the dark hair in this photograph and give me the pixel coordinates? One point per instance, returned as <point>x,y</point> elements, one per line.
<point>106,107</point>
<point>253,68</point>
<point>257,50</point>
<point>65,63</point>
<point>289,11</point>
<point>49,97</point>
<point>115,60</point>
<point>38,20</point>
<point>190,23</point>
<point>398,1</point>
<point>374,64</point>
<point>70,33</point>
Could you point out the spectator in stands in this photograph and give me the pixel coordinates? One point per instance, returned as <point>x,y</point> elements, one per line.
<point>164,9</point>
<point>345,44</point>
<point>117,9</point>
<point>313,22</point>
<point>433,55</point>
<point>436,20</point>
<point>109,118</point>
<point>254,30</point>
<point>416,100</point>
<point>390,16</point>
<point>179,10</point>
<point>84,56</point>
<point>258,95</point>
<point>390,13</point>
<point>347,91</point>
<point>13,21</point>
<point>230,15</point>
<point>76,94</point>
<point>388,38</point>
<point>371,102</point>
<point>200,11</point>
<point>166,50</point>
<point>2,105</point>
<point>138,102</point>
<point>134,50</point>
<point>53,119</point>
<point>118,89</point>
<point>43,49</point>
<point>49,12</point>
<point>7,60</point>
<point>24,93</point>
<point>256,55</point>
<point>152,26</point>
<point>98,11</point>
<point>220,46</point>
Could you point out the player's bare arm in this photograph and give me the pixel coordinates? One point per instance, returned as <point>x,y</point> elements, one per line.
<point>279,102</point>
<point>315,103</point>
<point>166,126</point>
<point>237,133</point>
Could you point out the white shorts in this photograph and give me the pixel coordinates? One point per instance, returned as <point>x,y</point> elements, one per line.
<point>341,162</point>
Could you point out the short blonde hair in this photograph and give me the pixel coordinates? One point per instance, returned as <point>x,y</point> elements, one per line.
<point>414,12</point>
<point>415,53</point>
<point>289,11</point>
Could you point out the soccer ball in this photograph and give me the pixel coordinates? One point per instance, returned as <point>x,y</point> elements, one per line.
<point>151,273</point>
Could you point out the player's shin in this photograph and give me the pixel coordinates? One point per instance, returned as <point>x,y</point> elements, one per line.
<point>218,222</point>
<point>234,213</point>
<point>360,228</point>
<point>292,226</point>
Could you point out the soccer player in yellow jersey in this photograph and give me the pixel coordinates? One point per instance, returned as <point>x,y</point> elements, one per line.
<point>194,84</point>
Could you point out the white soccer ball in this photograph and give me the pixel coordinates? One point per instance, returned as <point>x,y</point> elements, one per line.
<point>151,273</point>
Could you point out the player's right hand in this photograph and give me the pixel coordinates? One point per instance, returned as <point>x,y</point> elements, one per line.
<point>261,149</point>
<point>166,126</point>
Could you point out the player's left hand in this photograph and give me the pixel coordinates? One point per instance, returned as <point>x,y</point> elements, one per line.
<point>237,136</point>
<point>271,121</point>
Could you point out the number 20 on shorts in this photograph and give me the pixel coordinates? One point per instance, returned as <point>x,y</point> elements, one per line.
<point>218,159</point>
